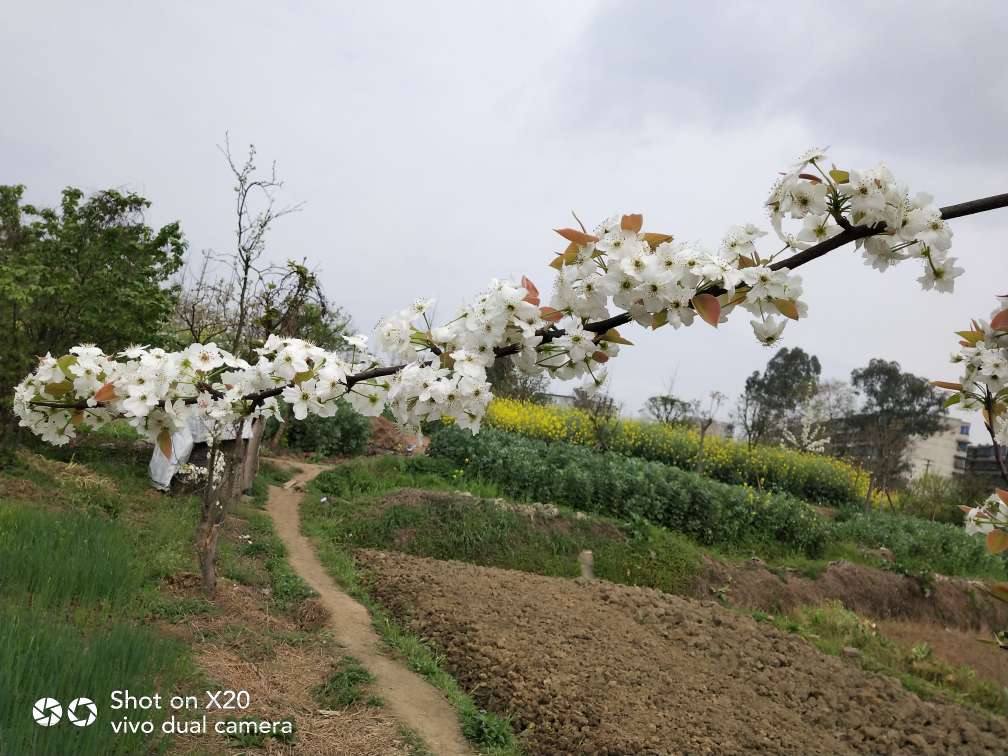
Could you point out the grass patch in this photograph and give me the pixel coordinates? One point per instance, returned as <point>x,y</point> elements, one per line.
<point>42,656</point>
<point>344,686</point>
<point>259,557</point>
<point>481,532</point>
<point>831,629</point>
<point>84,546</point>
<point>90,567</point>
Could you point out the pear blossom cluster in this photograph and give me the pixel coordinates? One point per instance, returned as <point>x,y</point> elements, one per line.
<point>982,359</point>
<point>159,391</point>
<point>618,273</point>
<point>827,202</point>
<point>989,515</point>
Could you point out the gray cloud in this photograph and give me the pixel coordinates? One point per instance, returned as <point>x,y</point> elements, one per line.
<point>436,145</point>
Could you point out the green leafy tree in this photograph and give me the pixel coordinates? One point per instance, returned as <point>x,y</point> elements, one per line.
<point>895,407</point>
<point>669,409</point>
<point>509,382</point>
<point>91,270</point>
<point>771,398</point>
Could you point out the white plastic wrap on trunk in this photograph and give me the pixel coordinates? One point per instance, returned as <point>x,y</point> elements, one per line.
<point>162,469</point>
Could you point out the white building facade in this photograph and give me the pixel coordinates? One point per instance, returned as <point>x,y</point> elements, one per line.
<point>944,453</point>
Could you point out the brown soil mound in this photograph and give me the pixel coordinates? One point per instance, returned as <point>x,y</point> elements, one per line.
<point>590,667</point>
<point>955,647</point>
<point>952,602</point>
<point>386,436</point>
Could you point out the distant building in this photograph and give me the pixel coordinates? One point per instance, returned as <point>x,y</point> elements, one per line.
<point>560,400</point>
<point>944,453</point>
<point>717,428</point>
<point>981,463</point>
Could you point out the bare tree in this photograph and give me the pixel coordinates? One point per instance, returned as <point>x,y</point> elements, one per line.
<point>255,211</point>
<point>669,409</point>
<point>603,414</point>
<point>705,419</point>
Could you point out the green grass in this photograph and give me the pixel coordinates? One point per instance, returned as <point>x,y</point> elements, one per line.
<point>478,531</point>
<point>41,656</point>
<point>53,559</point>
<point>345,684</point>
<point>260,559</point>
<point>82,556</point>
<point>831,629</point>
<point>80,562</point>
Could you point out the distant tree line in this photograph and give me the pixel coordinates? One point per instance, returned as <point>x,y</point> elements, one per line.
<point>870,420</point>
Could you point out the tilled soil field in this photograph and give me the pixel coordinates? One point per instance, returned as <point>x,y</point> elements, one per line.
<point>588,667</point>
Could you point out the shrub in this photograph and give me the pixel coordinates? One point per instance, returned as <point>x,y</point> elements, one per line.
<point>625,487</point>
<point>919,545</point>
<point>346,432</point>
<point>938,498</point>
<point>812,477</point>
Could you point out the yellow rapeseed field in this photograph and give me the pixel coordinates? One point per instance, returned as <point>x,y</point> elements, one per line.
<point>813,477</point>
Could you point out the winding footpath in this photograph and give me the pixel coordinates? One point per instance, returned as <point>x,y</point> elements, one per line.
<point>408,697</point>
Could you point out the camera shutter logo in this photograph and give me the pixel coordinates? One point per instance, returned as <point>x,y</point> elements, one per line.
<point>82,711</point>
<point>47,712</point>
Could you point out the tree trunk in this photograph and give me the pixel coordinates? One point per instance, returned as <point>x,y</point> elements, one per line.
<point>218,498</point>
<point>250,466</point>
<point>8,438</point>
<point>700,449</point>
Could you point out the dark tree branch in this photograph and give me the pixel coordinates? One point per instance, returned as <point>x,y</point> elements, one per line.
<point>989,423</point>
<point>551,332</point>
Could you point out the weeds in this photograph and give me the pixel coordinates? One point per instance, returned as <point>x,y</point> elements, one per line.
<point>831,629</point>
<point>344,686</point>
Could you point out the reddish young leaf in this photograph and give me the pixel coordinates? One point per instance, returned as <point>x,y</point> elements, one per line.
<point>632,222</point>
<point>1000,321</point>
<point>810,177</point>
<point>659,319</point>
<point>106,393</point>
<point>970,337</point>
<point>165,443</point>
<point>533,293</point>
<point>997,541</point>
<point>600,357</point>
<point>550,315</point>
<point>708,307</point>
<point>576,235</point>
<point>965,509</point>
<point>787,308</point>
<point>655,239</point>
<point>1002,494</point>
<point>947,385</point>
<point>77,418</point>
<point>558,262</point>
<point>613,336</point>
<point>746,262</point>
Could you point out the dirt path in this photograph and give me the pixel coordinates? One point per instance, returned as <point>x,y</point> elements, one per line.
<point>409,698</point>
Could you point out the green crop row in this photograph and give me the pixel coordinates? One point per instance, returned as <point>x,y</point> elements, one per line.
<point>811,477</point>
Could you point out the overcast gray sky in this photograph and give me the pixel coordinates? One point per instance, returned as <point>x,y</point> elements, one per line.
<point>436,144</point>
